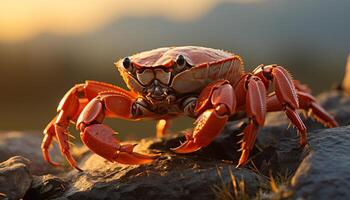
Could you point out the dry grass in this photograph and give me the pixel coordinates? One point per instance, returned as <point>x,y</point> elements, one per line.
<point>278,187</point>
<point>224,191</point>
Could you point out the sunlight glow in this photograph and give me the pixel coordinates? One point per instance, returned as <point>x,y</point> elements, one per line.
<point>23,19</point>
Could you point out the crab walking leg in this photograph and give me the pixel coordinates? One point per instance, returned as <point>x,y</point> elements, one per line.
<point>286,94</point>
<point>162,127</point>
<point>68,110</point>
<point>49,134</point>
<point>216,103</point>
<point>100,138</point>
<point>255,97</point>
<point>307,103</point>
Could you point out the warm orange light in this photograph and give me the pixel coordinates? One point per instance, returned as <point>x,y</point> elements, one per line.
<point>23,19</point>
<point>346,80</point>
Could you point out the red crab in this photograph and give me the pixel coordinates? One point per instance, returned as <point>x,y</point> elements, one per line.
<point>203,83</point>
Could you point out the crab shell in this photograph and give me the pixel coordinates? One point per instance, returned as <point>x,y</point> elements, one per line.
<point>207,65</point>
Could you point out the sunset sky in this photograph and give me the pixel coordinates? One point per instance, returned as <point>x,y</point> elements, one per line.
<point>23,19</point>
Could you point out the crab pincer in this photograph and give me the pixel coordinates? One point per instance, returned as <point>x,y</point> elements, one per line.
<point>215,104</point>
<point>101,139</point>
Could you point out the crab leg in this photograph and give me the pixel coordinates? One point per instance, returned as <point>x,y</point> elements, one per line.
<point>162,127</point>
<point>68,110</point>
<point>308,103</point>
<point>289,95</point>
<point>100,138</point>
<point>255,101</point>
<point>49,134</point>
<point>285,93</point>
<point>215,104</point>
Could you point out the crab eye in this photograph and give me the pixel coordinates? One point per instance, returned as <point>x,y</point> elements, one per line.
<point>180,60</point>
<point>127,62</point>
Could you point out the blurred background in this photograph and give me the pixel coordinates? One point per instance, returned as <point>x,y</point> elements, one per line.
<point>48,46</point>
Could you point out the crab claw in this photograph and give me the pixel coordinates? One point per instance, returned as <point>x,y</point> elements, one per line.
<point>188,146</point>
<point>101,139</point>
<point>209,125</point>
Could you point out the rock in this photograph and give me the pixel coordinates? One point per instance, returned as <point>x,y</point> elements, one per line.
<point>26,144</point>
<point>325,172</point>
<point>46,187</point>
<point>171,176</point>
<point>15,178</point>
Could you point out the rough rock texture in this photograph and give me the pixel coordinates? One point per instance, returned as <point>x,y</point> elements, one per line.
<point>325,172</point>
<point>46,187</point>
<point>15,178</point>
<point>169,177</point>
<point>26,144</point>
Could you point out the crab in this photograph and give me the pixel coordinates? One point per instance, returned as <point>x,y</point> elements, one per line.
<point>203,83</point>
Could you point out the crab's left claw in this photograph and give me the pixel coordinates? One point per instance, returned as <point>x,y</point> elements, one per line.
<point>101,140</point>
<point>211,122</point>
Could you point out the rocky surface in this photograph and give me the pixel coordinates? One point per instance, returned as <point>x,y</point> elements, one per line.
<point>15,178</point>
<point>170,177</point>
<point>26,144</point>
<point>198,175</point>
<point>325,172</point>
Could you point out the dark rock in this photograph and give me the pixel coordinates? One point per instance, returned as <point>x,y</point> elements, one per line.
<point>26,144</point>
<point>15,178</point>
<point>45,187</point>
<point>325,172</point>
<point>170,177</point>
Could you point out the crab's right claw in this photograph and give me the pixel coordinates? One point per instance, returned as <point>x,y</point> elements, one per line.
<point>133,158</point>
<point>101,139</point>
<point>209,125</point>
<point>216,103</point>
<point>188,146</point>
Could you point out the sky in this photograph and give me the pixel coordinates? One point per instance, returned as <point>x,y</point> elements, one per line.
<point>22,19</point>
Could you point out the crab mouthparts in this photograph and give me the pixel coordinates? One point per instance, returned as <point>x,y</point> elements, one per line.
<point>156,91</point>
